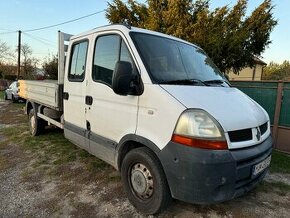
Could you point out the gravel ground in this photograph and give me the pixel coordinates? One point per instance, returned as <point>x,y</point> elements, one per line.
<point>29,191</point>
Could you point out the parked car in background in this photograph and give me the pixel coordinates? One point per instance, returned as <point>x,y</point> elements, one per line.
<point>11,93</point>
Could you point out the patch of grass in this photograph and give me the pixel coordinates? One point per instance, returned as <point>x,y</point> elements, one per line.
<point>115,178</point>
<point>280,187</point>
<point>50,153</point>
<point>99,164</point>
<point>83,209</point>
<point>52,149</point>
<point>2,95</point>
<point>280,162</point>
<point>4,164</point>
<point>27,175</point>
<point>13,134</point>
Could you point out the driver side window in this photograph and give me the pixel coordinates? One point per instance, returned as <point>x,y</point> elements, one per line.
<point>108,50</point>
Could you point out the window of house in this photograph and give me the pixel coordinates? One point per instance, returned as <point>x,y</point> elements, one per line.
<point>78,61</point>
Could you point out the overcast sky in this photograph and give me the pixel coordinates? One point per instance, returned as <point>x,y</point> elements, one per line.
<point>30,14</point>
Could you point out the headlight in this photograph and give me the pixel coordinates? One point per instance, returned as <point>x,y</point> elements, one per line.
<point>196,128</point>
<point>197,123</point>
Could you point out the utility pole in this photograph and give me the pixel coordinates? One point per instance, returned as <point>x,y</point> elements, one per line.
<point>19,54</point>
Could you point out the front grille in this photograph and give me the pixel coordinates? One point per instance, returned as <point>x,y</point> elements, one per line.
<point>240,135</point>
<point>263,128</point>
<point>246,134</point>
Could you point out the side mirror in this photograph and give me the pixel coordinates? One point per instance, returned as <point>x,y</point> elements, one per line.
<point>124,82</point>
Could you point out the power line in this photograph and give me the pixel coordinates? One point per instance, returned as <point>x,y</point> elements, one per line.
<point>5,29</point>
<point>2,33</point>
<point>69,21</point>
<point>44,39</point>
<point>40,40</point>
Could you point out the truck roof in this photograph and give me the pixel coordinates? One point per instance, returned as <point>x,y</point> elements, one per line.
<point>126,29</point>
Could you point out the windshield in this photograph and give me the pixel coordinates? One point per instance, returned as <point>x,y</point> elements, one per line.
<point>169,61</point>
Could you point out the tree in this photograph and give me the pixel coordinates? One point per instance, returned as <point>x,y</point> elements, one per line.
<point>50,68</point>
<point>28,63</point>
<point>3,50</point>
<point>274,71</point>
<point>5,53</point>
<point>6,61</point>
<point>26,52</point>
<point>230,37</point>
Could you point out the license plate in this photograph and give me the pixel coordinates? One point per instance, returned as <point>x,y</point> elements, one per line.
<point>261,166</point>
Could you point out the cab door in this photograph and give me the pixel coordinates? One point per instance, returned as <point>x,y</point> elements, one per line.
<point>74,94</point>
<point>110,116</point>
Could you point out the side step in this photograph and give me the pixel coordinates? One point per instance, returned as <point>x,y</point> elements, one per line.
<point>50,121</point>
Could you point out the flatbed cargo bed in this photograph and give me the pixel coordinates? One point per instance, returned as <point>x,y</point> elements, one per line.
<point>45,92</point>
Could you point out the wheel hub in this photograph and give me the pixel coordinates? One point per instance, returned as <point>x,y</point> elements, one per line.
<point>142,181</point>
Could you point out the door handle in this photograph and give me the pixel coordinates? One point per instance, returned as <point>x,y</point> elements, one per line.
<point>65,95</point>
<point>89,100</point>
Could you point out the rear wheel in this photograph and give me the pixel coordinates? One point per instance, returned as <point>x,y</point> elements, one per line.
<point>145,182</point>
<point>36,125</point>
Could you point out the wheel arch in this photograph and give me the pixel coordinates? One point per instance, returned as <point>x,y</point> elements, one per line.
<point>131,141</point>
<point>29,105</point>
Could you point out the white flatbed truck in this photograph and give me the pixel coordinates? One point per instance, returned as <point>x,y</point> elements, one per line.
<point>157,109</point>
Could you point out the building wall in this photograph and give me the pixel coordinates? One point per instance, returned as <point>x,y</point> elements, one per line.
<point>247,73</point>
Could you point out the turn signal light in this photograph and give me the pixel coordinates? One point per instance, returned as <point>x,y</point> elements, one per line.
<point>200,143</point>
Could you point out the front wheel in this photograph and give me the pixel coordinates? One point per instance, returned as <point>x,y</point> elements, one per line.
<point>36,125</point>
<point>145,181</point>
<point>5,96</point>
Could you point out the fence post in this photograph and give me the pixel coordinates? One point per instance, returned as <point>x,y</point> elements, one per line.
<point>277,111</point>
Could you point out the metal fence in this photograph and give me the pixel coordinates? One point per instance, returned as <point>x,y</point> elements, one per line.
<point>274,97</point>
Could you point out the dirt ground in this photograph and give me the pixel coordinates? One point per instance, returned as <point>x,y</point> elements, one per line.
<point>46,176</point>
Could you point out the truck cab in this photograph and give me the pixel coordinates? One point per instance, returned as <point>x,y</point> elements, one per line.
<point>159,110</point>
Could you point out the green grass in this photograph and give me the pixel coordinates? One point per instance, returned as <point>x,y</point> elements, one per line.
<point>2,95</point>
<point>53,150</point>
<point>279,187</point>
<point>280,162</point>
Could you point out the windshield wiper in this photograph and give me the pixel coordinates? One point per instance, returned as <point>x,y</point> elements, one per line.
<point>185,82</point>
<point>216,81</point>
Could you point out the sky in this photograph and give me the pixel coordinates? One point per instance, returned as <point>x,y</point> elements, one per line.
<point>31,14</point>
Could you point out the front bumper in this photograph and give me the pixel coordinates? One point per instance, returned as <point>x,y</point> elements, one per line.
<point>209,176</point>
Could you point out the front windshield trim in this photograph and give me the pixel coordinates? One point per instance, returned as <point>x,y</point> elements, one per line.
<point>151,75</point>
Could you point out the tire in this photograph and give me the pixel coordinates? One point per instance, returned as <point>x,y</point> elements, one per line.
<point>13,98</point>
<point>5,96</point>
<point>145,181</point>
<point>36,125</point>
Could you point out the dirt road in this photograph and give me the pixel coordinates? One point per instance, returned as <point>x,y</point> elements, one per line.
<point>47,176</point>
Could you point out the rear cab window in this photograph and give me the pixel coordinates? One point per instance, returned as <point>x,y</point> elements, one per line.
<point>78,58</point>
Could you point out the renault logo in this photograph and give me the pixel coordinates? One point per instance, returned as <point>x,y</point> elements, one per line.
<point>258,135</point>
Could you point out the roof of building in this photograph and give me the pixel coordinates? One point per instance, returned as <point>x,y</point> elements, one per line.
<point>259,61</point>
